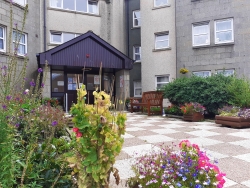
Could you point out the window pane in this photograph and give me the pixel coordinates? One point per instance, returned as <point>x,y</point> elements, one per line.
<point>201,39</point>
<point>57,81</point>
<point>202,73</point>
<point>56,3</point>
<point>159,86</point>
<point>21,49</point>
<point>137,22</point>
<point>93,7</point>
<point>137,14</point>
<point>161,44</point>
<point>160,2</point>
<point>56,38</point>
<point>69,4</point>
<point>162,79</point>
<point>201,29</point>
<point>223,25</point>
<point>138,91</point>
<point>81,5</point>
<point>68,36</point>
<point>1,44</point>
<point>226,72</point>
<point>137,57</point>
<point>161,37</point>
<point>1,32</point>
<point>137,84</point>
<point>224,36</point>
<point>21,2</point>
<point>22,40</point>
<point>137,49</point>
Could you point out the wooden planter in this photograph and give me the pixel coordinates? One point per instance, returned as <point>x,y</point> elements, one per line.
<point>235,122</point>
<point>193,117</point>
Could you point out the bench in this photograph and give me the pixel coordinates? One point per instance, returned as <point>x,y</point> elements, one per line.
<point>149,99</point>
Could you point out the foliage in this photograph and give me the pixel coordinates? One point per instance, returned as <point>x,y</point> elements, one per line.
<point>98,140</point>
<point>245,113</point>
<point>52,101</point>
<point>211,92</point>
<point>190,108</point>
<point>229,111</point>
<point>183,71</point>
<point>173,109</point>
<point>239,90</point>
<point>187,167</point>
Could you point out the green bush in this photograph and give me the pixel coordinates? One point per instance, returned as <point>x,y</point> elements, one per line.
<point>211,92</point>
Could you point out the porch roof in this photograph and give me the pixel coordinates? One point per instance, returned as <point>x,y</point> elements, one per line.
<point>87,49</point>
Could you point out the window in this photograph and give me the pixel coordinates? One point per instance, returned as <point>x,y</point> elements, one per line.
<point>20,2</point>
<point>226,72</point>
<point>59,37</point>
<point>137,53</point>
<point>57,81</point>
<point>22,46</point>
<point>88,6</point>
<point>161,81</point>
<point>2,38</point>
<point>224,31</point>
<point>161,40</point>
<point>201,34</point>
<point>202,73</point>
<point>136,18</point>
<point>137,89</point>
<point>159,3</point>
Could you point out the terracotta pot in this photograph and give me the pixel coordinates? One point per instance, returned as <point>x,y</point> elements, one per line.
<point>235,122</point>
<point>196,116</point>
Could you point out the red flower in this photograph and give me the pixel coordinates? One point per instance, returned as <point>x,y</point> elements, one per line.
<point>75,129</point>
<point>78,134</point>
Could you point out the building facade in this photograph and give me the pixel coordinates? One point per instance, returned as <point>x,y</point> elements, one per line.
<point>213,37</point>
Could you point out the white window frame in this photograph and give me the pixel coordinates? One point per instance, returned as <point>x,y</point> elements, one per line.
<point>137,88</point>
<point>193,35</point>
<point>62,36</point>
<point>4,39</point>
<point>161,34</point>
<point>22,4</point>
<point>157,76</point>
<point>96,1</point>
<point>160,5</point>
<point>223,71</point>
<point>209,73</point>
<point>134,53</point>
<point>136,18</point>
<point>215,32</point>
<point>25,44</point>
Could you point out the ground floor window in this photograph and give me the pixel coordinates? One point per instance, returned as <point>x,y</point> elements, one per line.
<point>226,72</point>
<point>57,81</point>
<point>202,73</point>
<point>161,80</point>
<point>137,89</point>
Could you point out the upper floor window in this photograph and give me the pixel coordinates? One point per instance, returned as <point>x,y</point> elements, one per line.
<point>159,3</point>
<point>224,31</point>
<point>202,73</point>
<point>137,53</point>
<point>226,72</point>
<point>136,18</point>
<point>2,38</point>
<point>20,2</point>
<point>20,47</point>
<point>161,81</point>
<point>89,6</point>
<point>161,40</point>
<point>201,34</point>
<point>60,37</point>
<point>137,89</point>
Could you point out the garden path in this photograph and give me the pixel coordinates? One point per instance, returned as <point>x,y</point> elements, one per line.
<point>230,147</point>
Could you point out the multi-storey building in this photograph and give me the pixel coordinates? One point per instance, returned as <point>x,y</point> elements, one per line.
<point>213,36</point>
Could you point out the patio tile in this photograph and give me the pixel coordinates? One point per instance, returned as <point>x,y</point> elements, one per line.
<point>203,133</point>
<point>164,131</point>
<point>141,133</point>
<point>243,143</point>
<point>246,183</point>
<point>204,141</point>
<point>172,125</point>
<point>229,182</point>
<point>142,124</point>
<point>127,136</point>
<point>225,130</point>
<point>132,129</point>
<point>139,150</point>
<point>213,155</point>
<point>204,127</point>
<point>180,136</point>
<point>133,142</point>
<point>245,157</point>
<point>150,121</point>
<point>226,138</point>
<point>241,134</point>
<point>176,122</point>
<point>124,167</point>
<point>156,138</point>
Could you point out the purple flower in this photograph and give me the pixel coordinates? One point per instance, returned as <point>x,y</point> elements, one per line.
<point>4,106</point>
<point>42,85</point>
<point>17,98</point>
<point>17,125</point>
<point>15,24</point>
<point>4,67</point>
<point>40,70</point>
<point>54,123</point>
<point>8,98</point>
<point>32,83</point>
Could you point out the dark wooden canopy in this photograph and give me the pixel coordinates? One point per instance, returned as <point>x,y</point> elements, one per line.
<point>87,49</point>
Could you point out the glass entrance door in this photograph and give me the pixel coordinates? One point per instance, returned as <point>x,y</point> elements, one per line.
<point>92,84</point>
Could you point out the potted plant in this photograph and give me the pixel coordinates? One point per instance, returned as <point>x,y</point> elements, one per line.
<point>127,103</point>
<point>193,111</point>
<point>233,116</point>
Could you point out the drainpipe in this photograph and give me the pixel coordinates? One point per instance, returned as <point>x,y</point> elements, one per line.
<point>44,26</point>
<point>175,41</point>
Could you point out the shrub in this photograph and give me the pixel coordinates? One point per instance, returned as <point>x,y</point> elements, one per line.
<point>173,109</point>
<point>211,92</point>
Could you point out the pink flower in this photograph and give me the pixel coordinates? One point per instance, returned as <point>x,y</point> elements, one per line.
<point>196,147</point>
<point>78,134</point>
<point>75,129</point>
<point>184,143</point>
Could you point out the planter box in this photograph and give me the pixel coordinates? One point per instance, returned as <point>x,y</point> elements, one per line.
<point>193,117</point>
<point>235,122</point>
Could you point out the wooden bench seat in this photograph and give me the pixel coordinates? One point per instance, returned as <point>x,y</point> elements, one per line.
<point>149,99</point>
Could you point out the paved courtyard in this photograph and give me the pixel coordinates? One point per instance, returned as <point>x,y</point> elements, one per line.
<point>230,147</point>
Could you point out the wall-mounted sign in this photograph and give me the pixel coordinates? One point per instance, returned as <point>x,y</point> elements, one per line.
<point>60,83</point>
<point>96,79</point>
